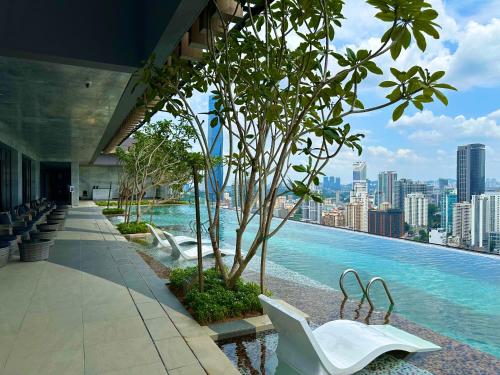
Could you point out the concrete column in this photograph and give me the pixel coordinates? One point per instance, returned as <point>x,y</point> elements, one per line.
<point>17,177</point>
<point>35,179</point>
<point>75,182</point>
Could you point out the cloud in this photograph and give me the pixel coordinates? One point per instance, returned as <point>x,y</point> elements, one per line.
<point>392,156</point>
<point>435,129</point>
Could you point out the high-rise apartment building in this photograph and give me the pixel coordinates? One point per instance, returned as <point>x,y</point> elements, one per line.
<point>215,142</point>
<point>485,218</point>
<point>358,171</point>
<point>470,171</point>
<point>388,223</point>
<point>448,200</point>
<point>462,223</point>
<point>355,216</point>
<point>334,218</point>
<point>402,188</point>
<point>442,183</point>
<point>385,187</point>
<point>416,210</point>
<point>359,196</point>
<point>312,211</point>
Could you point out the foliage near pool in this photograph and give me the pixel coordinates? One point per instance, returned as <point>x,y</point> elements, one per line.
<point>112,211</point>
<point>132,228</point>
<point>216,302</point>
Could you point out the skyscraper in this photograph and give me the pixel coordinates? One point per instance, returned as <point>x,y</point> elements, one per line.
<point>358,171</point>
<point>404,187</point>
<point>385,186</point>
<point>357,209</point>
<point>416,206</point>
<point>462,223</point>
<point>388,223</point>
<point>485,218</point>
<point>470,171</point>
<point>215,142</point>
<point>448,200</point>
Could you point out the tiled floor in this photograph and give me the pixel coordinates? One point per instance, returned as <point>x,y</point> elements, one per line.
<point>96,308</point>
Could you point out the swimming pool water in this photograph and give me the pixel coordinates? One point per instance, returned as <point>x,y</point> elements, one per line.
<point>453,292</point>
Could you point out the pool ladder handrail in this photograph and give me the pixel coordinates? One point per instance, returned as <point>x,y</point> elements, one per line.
<point>366,291</point>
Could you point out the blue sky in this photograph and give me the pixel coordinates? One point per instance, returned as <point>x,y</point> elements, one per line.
<point>422,145</point>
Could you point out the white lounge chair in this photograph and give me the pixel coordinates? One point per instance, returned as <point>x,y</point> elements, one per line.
<point>336,348</point>
<point>184,252</point>
<point>160,242</point>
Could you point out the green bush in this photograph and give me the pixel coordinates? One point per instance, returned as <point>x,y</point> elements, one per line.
<point>112,211</point>
<point>216,302</point>
<point>105,203</point>
<point>132,228</point>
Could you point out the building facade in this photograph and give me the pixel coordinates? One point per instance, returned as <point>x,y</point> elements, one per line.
<point>402,188</point>
<point>334,218</point>
<point>462,223</point>
<point>485,218</point>
<point>312,212</point>
<point>470,171</point>
<point>386,182</point>
<point>448,200</point>
<point>389,223</point>
<point>359,197</point>
<point>416,210</point>
<point>358,171</point>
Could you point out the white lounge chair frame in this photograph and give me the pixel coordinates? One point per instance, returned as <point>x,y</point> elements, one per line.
<point>336,348</point>
<point>179,252</point>
<point>160,242</point>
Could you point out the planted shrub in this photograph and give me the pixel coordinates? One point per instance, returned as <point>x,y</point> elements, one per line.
<point>113,211</point>
<point>132,228</point>
<point>216,302</point>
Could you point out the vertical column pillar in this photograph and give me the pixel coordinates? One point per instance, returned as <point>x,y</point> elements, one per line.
<point>75,182</point>
<point>17,177</point>
<point>35,179</point>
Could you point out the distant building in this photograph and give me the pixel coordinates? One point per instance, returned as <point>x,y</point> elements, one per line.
<point>402,188</point>
<point>355,216</point>
<point>384,206</point>
<point>448,200</point>
<point>485,218</point>
<point>359,196</point>
<point>385,187</point>
<point>462,223</point>
<point>358,171</point>
<point>215,142</point>
<point>331,183</point>
<point>437,236</point>
<point>312,211</point>
<point>442,183</point>
<point>334,218</point>
<point>416,210</point>
<point>470,171</point>
<point>494,242</point>
<point>388,223</point>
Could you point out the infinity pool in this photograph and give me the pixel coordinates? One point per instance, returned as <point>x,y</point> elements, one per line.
<point>452,292</point>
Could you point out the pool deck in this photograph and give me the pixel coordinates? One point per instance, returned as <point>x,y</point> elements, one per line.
<point>95,307</point>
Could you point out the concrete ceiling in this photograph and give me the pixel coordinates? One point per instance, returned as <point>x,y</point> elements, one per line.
<point>50,49</point>
<point>50,107</point>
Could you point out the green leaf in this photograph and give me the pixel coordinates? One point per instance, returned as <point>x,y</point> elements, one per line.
<point>437,75</point>
<point>214,122</point>
<point>445,86</point>
<point>388,84</point>
<point>442,98</point>
<point>396,50</point>
<point>418,105</point>
<point>420,39</point>
<point>398,112</point>
<point>299,168</point>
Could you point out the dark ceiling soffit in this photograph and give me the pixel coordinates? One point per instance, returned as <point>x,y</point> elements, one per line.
<point>184,16</point>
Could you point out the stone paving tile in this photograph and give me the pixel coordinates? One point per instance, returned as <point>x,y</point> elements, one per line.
<point>119,329</point>
<point>176,353</point>
<point>161,328</point>
<point>150,310</point>
<point>188,370</point>
<point>152,369</point>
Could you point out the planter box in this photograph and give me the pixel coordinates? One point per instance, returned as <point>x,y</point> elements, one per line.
<point>59,222</point>
<point>35,250</point>
<point>4,255</point>
<point>46,227</point>
<point>56,217</point>
<point>44,234</point>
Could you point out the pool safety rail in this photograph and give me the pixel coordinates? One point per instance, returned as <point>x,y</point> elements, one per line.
<point>365,290</point>
<point>192,226</point>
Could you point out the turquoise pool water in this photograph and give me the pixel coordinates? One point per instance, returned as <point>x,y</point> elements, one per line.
<point>455,293</point>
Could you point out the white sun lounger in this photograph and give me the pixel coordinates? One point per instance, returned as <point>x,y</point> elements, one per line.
<point>160,242</point>
<point>336,348</point>
<point>187,253</point>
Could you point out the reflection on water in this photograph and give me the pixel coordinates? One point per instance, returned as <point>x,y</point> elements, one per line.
<point>256,355</point>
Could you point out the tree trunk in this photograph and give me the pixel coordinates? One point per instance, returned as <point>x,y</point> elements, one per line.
<point>263,266</point>
<point>138,215</point>
<point>198,228</point>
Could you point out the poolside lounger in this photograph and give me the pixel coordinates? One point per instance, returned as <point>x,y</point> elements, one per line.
<point>190,253</point>
<point>160,242</point>
<point>338,347</point>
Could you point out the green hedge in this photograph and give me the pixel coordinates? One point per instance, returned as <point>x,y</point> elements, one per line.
<point>216,302</point>
<point>113,211</point>
<point>132,228</point>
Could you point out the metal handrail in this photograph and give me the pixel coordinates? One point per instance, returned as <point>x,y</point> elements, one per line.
<point>341,281</point>
<point>368,286</point>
